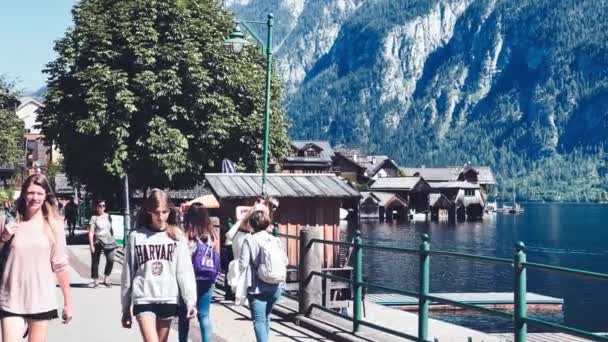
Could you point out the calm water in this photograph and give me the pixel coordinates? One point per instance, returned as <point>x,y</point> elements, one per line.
<point>568,235</point>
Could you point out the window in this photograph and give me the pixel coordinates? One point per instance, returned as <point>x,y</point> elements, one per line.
<point>312,153</point>
<point>469,192</point>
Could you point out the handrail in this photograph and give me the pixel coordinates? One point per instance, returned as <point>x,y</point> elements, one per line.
<point>472,256</point>
<point>518,263</point>
<point>566,329</point>
<point>579,273</point>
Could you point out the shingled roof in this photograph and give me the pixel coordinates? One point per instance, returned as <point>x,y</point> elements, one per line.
<point>450,173</point>
<point>280,185</point>
<point>395,183</point>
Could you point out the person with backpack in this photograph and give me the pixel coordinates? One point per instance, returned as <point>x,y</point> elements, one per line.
<point>157,271</point>
<point>204,243</point>
<point>264,262</point>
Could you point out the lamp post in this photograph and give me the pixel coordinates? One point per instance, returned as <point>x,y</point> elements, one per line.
<point>235,43</point>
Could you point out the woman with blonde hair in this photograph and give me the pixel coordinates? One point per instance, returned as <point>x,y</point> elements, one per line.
<point>156,272</point>
<point>35,252</point>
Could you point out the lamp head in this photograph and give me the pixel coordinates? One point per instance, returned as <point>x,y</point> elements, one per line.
<point>236,41</point>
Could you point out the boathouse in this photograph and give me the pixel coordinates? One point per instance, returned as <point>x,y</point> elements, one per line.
<point>463,200</point>
<point>414,190</point>
<point>304,200</point>
<point>382,205</point>
<point>481,175</point>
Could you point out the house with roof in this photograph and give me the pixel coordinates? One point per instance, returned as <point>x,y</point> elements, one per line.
<point>481,175</point>
<point>309,157</point>
<point>414,190</point>
<point>357,167</point>
<point>39,154</point>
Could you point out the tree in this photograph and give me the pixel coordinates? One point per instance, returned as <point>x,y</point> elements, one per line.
<point>11,134</point>
<point>145,87</point>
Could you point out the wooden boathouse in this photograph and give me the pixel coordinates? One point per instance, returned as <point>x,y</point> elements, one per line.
<point>304,200</point>
<point>415,190</point>
<point>382,205</point>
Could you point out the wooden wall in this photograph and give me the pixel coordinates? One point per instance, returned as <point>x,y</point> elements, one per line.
<point>294,214</point>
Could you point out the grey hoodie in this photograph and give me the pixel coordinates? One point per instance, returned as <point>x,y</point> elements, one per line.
<point>156,270</point>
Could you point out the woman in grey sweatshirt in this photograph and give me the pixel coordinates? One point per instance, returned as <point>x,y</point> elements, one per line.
<point>156,270</point>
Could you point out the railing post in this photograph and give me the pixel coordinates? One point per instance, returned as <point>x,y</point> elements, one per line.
<point>311,260</point>
<point>521,306</point>
<point>423,302</point>
<point>357,281</point>
<point>275,229</point>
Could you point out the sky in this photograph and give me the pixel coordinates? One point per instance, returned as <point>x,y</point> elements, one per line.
<point>28,29</point>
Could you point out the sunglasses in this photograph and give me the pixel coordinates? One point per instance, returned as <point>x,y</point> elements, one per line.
<point>101,205</point>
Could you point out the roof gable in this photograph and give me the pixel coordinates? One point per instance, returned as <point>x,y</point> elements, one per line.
<point>324,146</point>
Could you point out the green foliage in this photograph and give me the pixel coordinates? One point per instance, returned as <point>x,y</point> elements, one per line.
<point>11,134</point>
<point>145,87</point>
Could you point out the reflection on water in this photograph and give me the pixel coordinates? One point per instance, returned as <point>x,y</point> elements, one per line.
<point>568,235</point>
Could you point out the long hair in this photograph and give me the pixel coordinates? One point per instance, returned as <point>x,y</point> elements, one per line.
<point>197,221</point>
<point>50,212</point>
<point>156,198</point>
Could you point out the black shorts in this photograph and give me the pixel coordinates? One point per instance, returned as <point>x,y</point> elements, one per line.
<point>42,316</point>
<point>159,311</point>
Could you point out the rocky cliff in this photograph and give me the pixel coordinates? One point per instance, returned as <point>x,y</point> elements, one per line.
<point>521,85</point>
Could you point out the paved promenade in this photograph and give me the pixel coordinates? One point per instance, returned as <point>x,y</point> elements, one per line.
<point>97,313</point>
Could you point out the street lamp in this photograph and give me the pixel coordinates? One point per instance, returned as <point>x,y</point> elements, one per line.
<point>235,43</point>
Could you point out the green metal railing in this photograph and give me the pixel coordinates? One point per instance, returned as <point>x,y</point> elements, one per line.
<point>519,315</point>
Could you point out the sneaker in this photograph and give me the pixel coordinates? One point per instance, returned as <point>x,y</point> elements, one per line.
<point>94,285</point>
<point>108,285</point>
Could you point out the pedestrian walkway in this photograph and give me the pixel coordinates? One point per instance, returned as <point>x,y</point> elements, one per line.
<point>97,313</point>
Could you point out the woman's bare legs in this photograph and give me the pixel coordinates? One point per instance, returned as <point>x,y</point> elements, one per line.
<point>147,327</point>
<point>38,330</point>
<point>162,329</point>
<point>13,329</point>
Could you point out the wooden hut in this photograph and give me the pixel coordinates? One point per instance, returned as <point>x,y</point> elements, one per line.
<point>369,207</point>
<point>304,200</point>
<point>466,197</point>
<point>415,190</point>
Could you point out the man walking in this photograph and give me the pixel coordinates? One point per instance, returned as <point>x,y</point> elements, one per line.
<point>71,215</point>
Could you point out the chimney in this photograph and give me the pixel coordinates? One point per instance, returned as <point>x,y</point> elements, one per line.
<point>374,160</point>
<point>422,166</point>
<point>355,157</point>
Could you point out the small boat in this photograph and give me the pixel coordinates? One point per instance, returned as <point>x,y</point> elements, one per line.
<point>516,209</point>
<point>415,216</point>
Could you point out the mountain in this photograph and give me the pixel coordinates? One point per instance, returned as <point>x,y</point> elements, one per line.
<point>520,85</point>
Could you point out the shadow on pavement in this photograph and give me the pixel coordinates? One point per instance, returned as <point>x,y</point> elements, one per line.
<point>80,237</point>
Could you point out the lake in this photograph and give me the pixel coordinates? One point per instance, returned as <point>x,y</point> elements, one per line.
<point>567,235</point>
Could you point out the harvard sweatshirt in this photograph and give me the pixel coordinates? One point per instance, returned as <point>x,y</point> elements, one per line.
<point>156,270</point>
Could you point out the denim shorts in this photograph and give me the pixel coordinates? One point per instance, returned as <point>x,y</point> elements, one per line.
<point>159,311</point>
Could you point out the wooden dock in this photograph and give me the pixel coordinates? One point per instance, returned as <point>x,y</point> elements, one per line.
<point>543,337</point>
<point>497,300</point>
<point>407,323</point>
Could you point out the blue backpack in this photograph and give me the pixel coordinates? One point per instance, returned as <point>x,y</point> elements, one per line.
<point>206,262</point>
